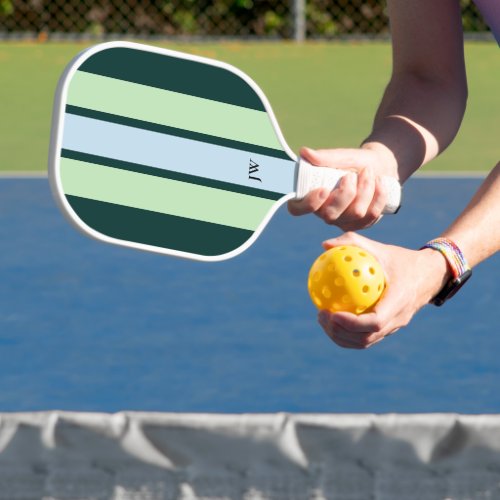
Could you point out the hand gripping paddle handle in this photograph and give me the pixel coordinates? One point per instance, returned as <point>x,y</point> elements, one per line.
<point>310,177</point>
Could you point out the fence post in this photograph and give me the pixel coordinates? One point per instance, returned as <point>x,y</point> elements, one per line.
<point>299,20</point>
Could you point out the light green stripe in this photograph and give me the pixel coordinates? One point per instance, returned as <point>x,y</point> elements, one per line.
<point>164,107</point>
<point>166,196</point>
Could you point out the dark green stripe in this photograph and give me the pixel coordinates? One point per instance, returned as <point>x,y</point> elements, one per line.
<point>159,230</point>
<point>173,73</point>
<point>177,132</point>
<point>167,174</point>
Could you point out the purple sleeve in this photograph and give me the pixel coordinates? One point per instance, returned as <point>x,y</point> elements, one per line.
<point>490,9</point>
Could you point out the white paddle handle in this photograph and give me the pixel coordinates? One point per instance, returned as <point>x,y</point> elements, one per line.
<point>310,177</point>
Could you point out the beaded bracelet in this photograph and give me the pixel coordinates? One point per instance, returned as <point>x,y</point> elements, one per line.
<point>459,267</point>
<point>452,254</point>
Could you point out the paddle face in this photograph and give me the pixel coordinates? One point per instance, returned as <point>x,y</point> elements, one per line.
<point>167,152</point>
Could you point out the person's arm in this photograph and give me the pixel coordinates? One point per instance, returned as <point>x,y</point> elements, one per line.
<point>424,103</point>
<point>414,277</point>
<point>477,230</point>
<point>418,117</point>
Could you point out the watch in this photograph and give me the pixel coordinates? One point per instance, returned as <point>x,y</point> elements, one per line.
<point>459,267</point>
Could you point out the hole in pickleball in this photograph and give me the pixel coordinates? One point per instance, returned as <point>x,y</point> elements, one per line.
<point>346,299</point>
<point>317,301</point>
<point>372,270</point>
<point>366,289</point>
<point>327,293</point>
<point>348,258</point>
<point>317,276</point>
<point>356,273</point>
<point>339,281</point>
<point>363,254</point>
<point>379,287</point>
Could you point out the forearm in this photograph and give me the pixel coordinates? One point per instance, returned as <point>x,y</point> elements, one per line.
<point>424,103</point>
<point>416,120</point>
<point>477,230</point>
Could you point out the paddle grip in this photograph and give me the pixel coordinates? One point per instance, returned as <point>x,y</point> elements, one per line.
<point>310,177</point>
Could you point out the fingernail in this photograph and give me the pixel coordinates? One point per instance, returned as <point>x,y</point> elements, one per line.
<point>323,317</point>
<point>306,150</point>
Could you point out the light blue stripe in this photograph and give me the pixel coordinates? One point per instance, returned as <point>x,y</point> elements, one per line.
<point>176,154</point>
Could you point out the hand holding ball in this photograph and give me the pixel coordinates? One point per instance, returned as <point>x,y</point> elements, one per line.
<point>346,278</point>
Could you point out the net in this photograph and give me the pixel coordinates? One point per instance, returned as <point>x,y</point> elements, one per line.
<point>159,456</point>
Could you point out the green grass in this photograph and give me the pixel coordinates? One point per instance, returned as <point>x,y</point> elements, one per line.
<point>324,95</point>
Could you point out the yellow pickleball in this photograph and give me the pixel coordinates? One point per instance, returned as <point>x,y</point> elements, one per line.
<point>346,278</point>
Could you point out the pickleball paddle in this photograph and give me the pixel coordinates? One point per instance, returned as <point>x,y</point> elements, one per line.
<point>173,153</point>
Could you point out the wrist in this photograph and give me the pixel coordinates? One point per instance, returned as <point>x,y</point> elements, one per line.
<point>437,272</point>
<point>388,165</point>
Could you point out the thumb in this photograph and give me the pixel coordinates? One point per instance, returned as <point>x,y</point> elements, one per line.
<point>349,238</point>
<point>336,158</point>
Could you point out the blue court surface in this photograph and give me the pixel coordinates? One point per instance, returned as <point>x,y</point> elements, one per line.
<point>93,327</point>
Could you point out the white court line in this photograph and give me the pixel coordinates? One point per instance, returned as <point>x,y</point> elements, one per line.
<point>22,175</point>
<point>454,174</point>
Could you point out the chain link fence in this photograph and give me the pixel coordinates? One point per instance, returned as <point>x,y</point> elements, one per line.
<point>284,19</point>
